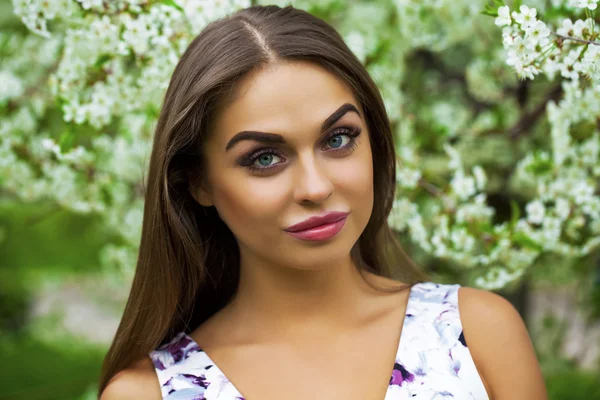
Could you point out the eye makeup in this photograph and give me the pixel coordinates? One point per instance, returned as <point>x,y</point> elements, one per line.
<point>249,160</point>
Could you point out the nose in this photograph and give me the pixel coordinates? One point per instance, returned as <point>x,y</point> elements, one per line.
<point>312,183</point>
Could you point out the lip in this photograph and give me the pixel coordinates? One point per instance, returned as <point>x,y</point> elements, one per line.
<point>317,221</point>
<point>319,228</point>
<point>321,232</point>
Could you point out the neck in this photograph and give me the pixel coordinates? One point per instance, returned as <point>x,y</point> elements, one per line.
<point>287,299</point>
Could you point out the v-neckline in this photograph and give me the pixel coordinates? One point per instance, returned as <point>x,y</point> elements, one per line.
<point>398,347</point>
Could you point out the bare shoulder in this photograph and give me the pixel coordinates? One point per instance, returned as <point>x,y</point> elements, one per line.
<point>500,346</point>
<point>136,382</point>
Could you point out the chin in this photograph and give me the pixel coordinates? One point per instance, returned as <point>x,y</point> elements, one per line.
<point>319,258</point>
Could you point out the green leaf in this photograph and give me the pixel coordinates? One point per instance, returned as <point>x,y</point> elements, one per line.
<point>526,242</point>
<point>492,9</point>
<point>66,141</point>
<point>486,227</point>
<point>172,3</point>
<point>489,13</point>
<point>489,10</point>
<point>542,164</point>
<point>515,213</point>
<point>102,60</point>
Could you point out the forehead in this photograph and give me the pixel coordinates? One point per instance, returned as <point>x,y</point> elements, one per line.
<point>283,99</point>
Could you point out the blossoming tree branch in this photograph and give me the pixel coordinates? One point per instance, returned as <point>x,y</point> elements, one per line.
<point>496,118</point>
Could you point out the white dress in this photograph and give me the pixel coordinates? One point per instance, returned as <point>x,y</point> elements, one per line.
<point>433,361</point>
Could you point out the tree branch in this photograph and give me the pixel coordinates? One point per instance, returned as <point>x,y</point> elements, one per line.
<point>529,119</point>
<point>575,39</point>
<point>431,188</point>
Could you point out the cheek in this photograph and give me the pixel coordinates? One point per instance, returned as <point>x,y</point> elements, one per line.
<point>356,181</point>
<point>248,205</point>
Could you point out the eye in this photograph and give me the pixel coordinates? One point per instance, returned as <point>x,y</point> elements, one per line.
<point>339,140</point>
<point>265,160</point>
<point>262,161</point>
<point>342,140</point>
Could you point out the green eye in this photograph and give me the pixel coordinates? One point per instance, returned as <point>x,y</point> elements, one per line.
<point>266,160</point>
<point>337,142</point>
<point>340,142</point>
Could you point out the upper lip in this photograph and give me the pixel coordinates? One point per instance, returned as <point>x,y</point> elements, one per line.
<point>318,220</point>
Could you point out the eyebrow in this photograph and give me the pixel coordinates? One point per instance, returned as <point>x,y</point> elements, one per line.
<point>273,138</point>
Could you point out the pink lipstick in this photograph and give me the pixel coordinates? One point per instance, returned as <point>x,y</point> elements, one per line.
<point>319,228</point>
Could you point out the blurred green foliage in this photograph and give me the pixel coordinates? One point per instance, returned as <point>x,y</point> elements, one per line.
<point>40,244</point>
<point>35,370</point>
<point>574,385</point>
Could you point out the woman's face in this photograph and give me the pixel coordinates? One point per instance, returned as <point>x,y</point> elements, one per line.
<point>301,159</point>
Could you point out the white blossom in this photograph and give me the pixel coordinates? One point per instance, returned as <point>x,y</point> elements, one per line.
<point>503,16</point>
<point>526,17</point>
<point>589,4</point>
<point>463,186</point>
<point>535,212</point>
<point>10,86</point>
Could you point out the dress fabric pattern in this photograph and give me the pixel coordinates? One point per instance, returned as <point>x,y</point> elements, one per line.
<point>433,361</point>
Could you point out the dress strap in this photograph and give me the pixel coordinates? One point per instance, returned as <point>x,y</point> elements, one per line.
<point>433,351</point>
<point>185,371</point>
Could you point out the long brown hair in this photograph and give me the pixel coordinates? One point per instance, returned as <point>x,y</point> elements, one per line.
<point>188,262</point>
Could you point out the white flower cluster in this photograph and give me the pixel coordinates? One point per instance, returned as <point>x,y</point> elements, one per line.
<point>107,64</point>
<point>565,180</point>
<point>561,218</point>
<point>419,22</point>
<point>35,14</point>
<point>533,47</point>
<point>93,82</point>
<point>100,40</point>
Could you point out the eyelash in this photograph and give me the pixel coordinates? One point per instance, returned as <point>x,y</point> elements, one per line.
<point>249,160</point>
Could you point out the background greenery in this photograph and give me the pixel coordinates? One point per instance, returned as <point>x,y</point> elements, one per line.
<point>69,221</point>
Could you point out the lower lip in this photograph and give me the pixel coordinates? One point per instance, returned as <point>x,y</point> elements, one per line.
<point>321,232</point>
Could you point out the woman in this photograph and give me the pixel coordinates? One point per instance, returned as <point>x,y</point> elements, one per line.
<point>267,269</point>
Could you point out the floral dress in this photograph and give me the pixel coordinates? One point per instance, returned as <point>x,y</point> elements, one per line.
<point>432,362</point>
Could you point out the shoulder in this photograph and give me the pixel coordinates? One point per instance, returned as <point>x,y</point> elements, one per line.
<point>136,382</point>
<point>500,345</point>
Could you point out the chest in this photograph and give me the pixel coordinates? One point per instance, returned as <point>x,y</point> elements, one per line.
<point>386,358</point>
<point>346,369</point>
